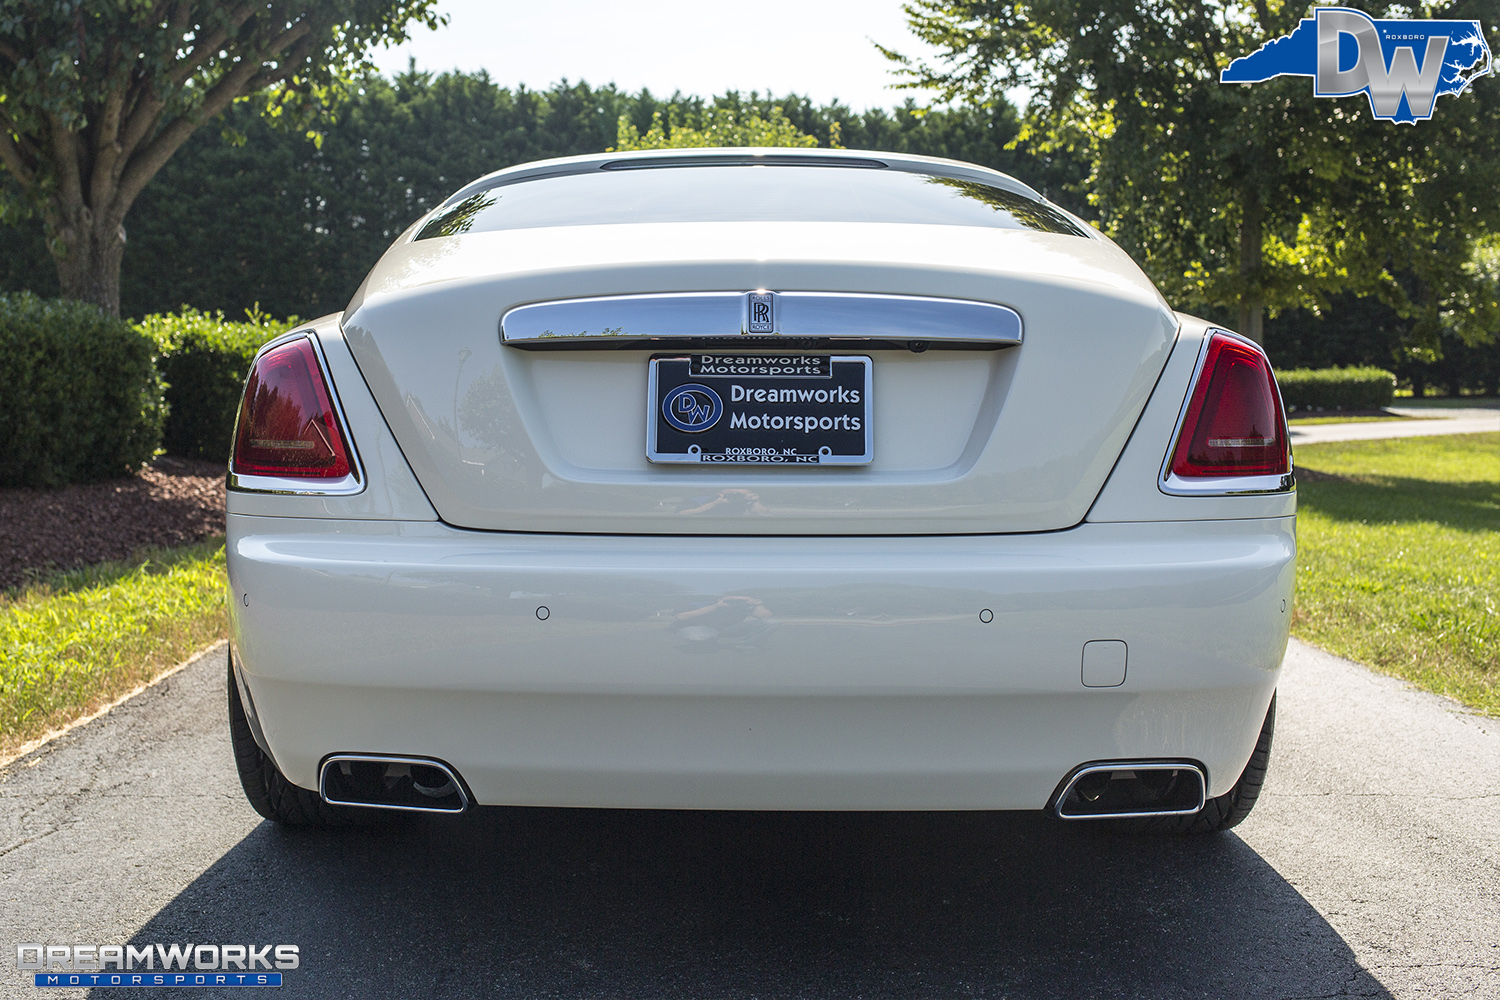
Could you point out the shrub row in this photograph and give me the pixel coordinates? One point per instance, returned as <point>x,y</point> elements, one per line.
<point>88,397</point>
<point>1336,388</point>
<point>205,360</point>
<point>81,397</point>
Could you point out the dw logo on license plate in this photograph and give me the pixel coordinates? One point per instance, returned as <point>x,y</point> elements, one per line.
<point>759,409</point>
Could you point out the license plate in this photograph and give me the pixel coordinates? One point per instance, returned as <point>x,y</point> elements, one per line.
<point>759,409</point>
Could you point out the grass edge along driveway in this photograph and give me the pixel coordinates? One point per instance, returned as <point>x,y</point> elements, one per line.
<point>1399,559</point>
<point>79,639</point>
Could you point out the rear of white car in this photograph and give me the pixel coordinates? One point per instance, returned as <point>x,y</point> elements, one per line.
<point>762,480</point>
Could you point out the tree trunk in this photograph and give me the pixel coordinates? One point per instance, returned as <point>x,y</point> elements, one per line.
<point>88,256</point>
<point>1253,318</point>
<point>84,150</point>
<point>1252,242</point>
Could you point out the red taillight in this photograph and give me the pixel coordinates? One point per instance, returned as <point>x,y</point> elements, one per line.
<point>1235,425</point>
<point>287,425</point>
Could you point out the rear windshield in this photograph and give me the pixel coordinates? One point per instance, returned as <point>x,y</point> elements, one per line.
<point>746,193</point>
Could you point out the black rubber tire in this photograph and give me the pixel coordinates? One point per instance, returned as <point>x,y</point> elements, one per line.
<point>1228,810</point>
<point>270,794</point>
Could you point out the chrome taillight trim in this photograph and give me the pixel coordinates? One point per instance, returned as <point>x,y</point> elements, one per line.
<point>348,485</point>
<point>722,319</point>
<point>1228,486</point>
<point>1220,486</point>
<point>344,486</point>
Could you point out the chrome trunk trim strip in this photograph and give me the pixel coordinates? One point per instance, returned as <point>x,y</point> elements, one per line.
<point>718,319</point>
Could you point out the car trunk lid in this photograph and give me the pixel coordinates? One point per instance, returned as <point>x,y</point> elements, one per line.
<point>1000,437</point>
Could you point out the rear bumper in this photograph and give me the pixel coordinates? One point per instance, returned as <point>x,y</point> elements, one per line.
<point>775,673</point>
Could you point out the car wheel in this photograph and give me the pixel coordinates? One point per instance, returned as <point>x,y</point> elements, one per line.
<point>1228,810</point>
<point>268,790</point>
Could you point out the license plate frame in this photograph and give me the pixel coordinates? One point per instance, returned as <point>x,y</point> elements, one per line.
<point>721,403</point>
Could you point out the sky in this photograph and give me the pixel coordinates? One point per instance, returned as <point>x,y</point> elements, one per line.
<point>821,49</point>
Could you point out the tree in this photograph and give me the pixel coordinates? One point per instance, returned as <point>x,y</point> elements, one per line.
<point>97,95</point>
<point>985,135</point>
<point>1234,198</point>
<point>248,212</point>
<point>295,226</point>
<point>718,126</point>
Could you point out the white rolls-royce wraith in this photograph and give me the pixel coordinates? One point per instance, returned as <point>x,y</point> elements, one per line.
<point>758,479</point>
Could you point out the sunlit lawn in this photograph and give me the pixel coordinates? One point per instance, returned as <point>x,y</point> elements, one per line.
<point>1399,559</point>
<point>77,640</point>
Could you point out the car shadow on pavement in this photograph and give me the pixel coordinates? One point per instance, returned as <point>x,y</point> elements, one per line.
<point>578,903</point>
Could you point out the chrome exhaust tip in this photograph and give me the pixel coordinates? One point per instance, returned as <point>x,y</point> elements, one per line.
<point>1132,790</point>
<point>372,781</point>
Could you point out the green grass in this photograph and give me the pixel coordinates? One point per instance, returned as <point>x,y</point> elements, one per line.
<point>79,639</point>
<point>1399,559</point>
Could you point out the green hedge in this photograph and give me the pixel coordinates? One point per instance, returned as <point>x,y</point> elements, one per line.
<point>80,397</point>
<point>1336,388</point>
<point>205,360</point>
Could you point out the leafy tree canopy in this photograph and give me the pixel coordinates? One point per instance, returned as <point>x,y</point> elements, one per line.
<point>717,126</point>
<point>1248,197</point>
<point>249,212</point>
<point>97,95</point>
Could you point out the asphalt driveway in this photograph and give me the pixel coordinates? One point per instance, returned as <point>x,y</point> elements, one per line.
<point>1370,868</point>
<point>1430,420</point>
